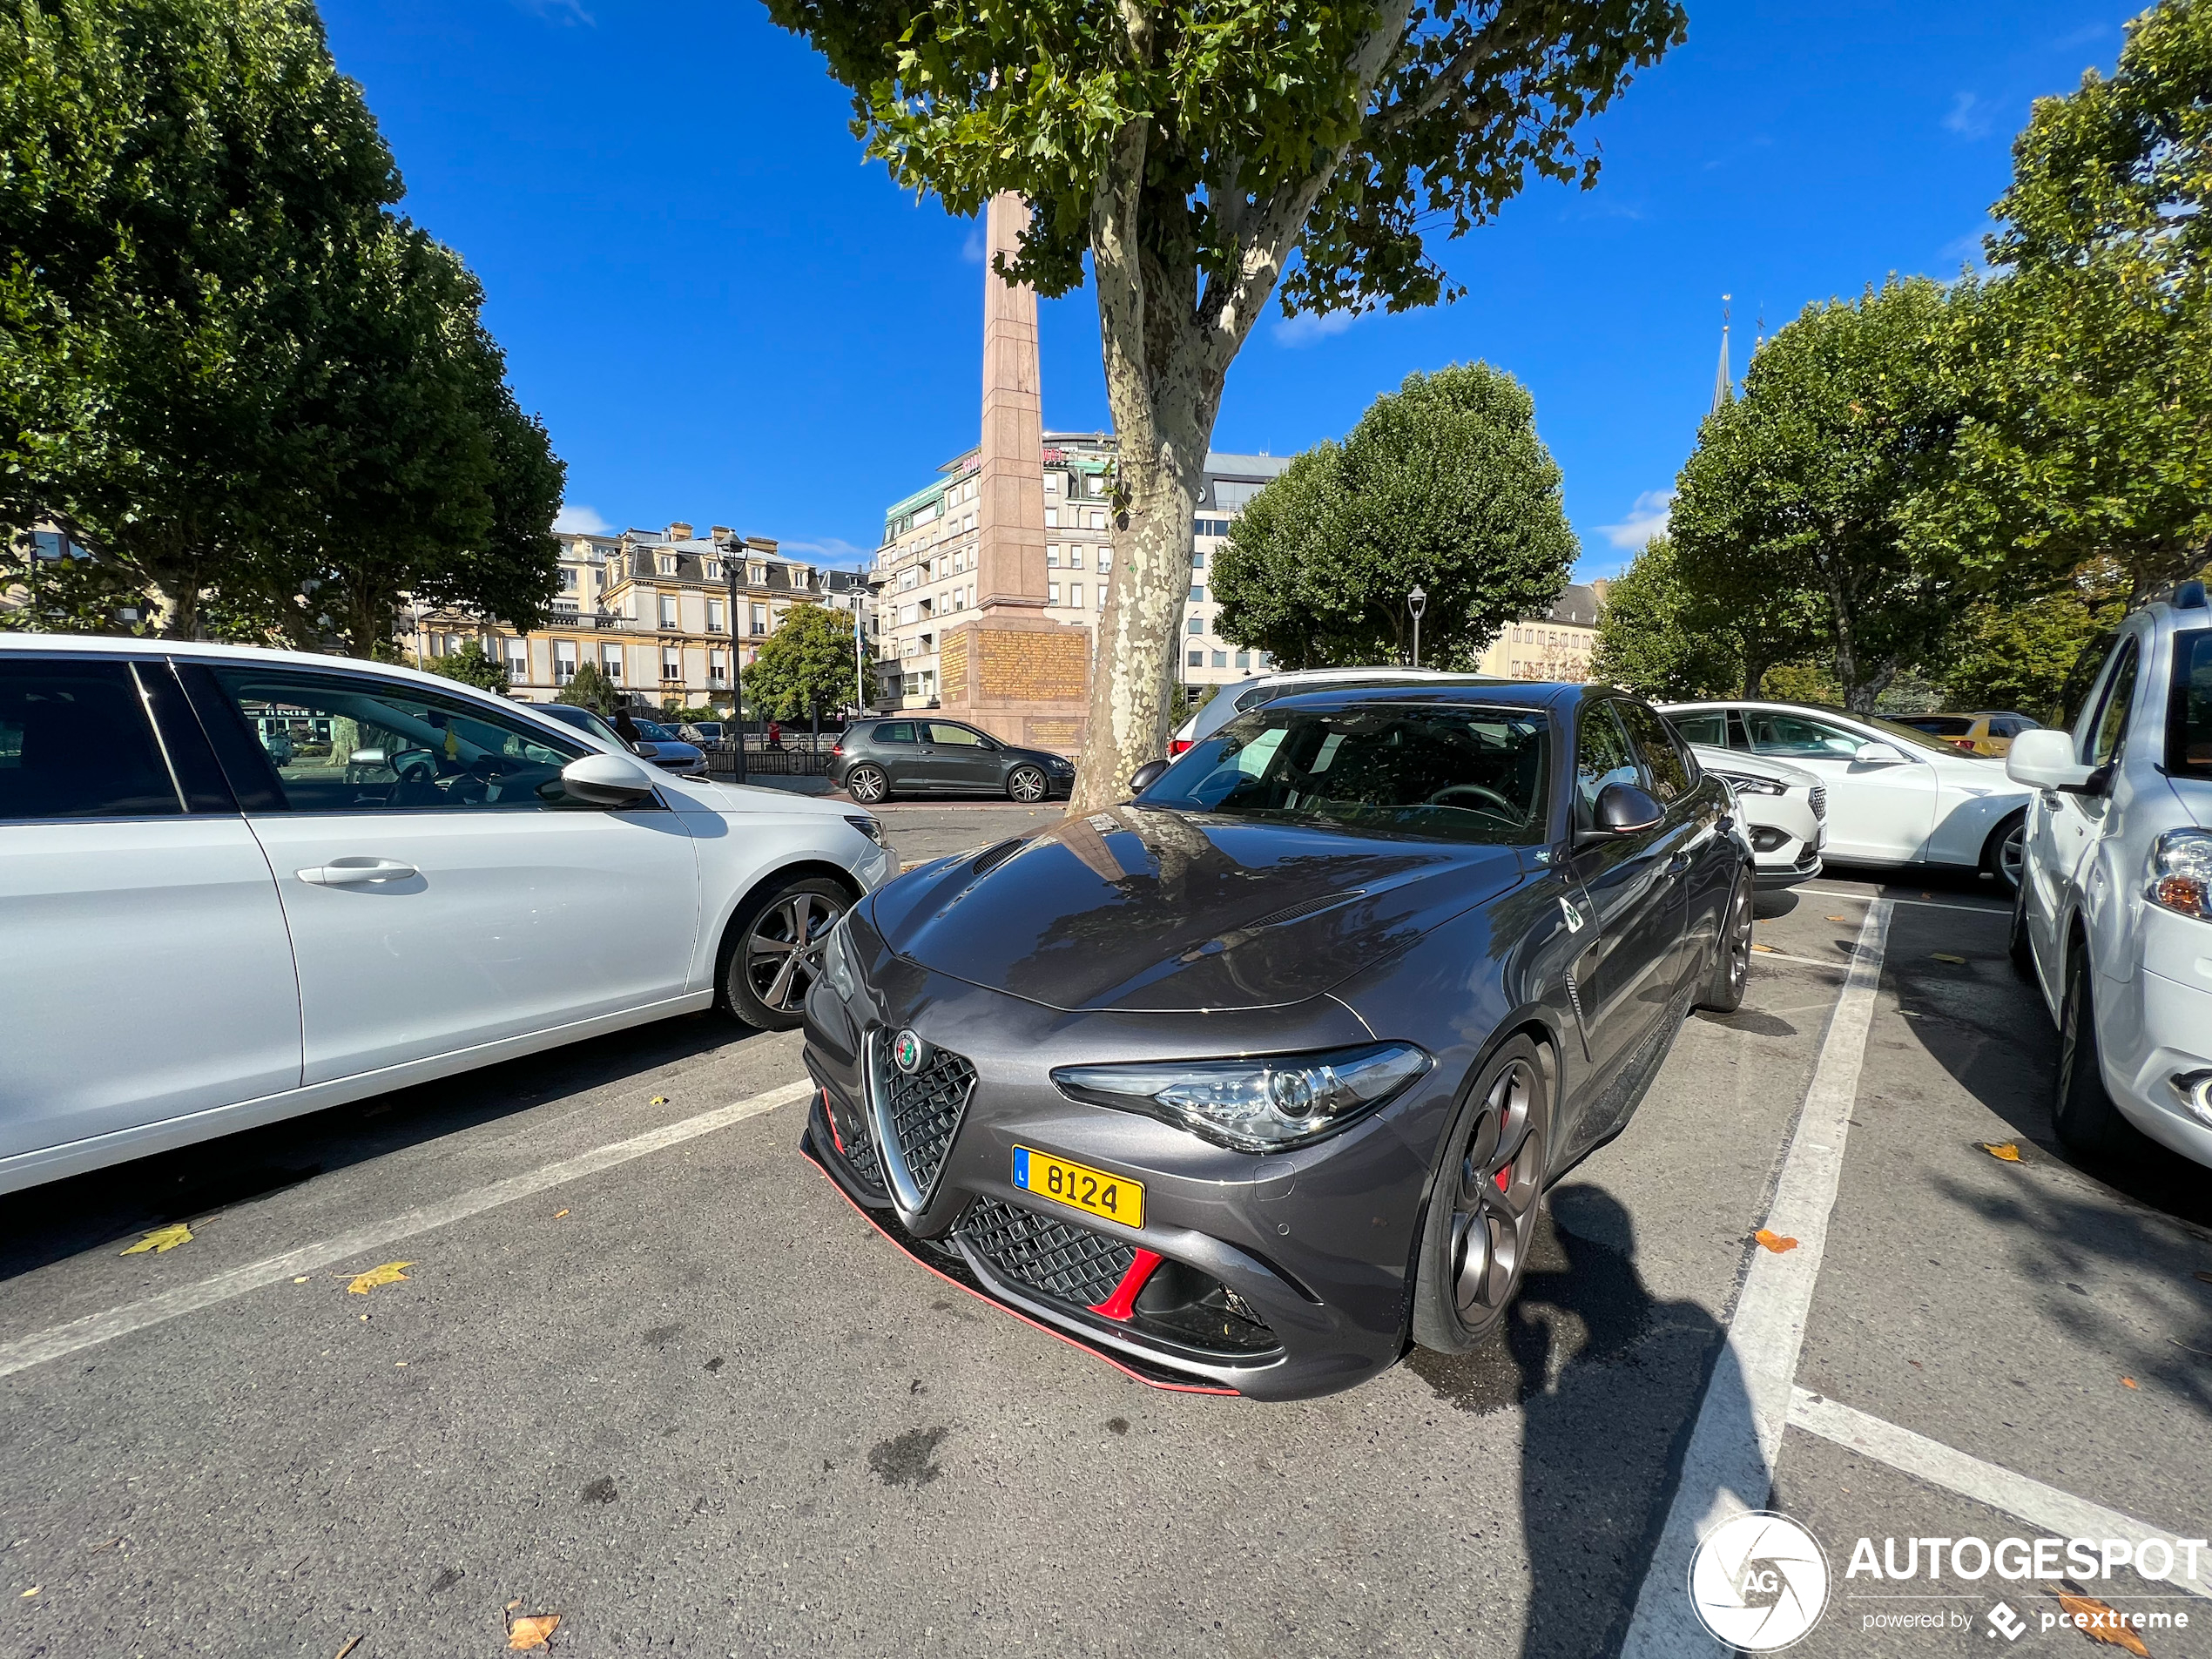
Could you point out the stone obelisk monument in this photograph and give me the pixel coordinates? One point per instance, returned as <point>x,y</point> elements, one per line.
<point>1014,670</point>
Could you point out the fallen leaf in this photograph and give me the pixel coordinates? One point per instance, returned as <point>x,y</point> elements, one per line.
<point>1916,1364</point>
<point>512,1605</point>
<point>1762,947</point>
<point>660,1100</point>
<point>302,1279</point>
<point>1833,917</point>
<point>387,1274</point>
<point>400,1364</point>
<point>1945,956</point>
<point>161,1239</point>
<point>99,1547</point>
<point>2103,1624</point>
<point>350,1646</point>
<point>2129,1382</point>
<point>32,1591</point>
<point>557,1214</point>
<point>532,1632</point>
<point>2008,1150</point>
<point>1774,1241</point>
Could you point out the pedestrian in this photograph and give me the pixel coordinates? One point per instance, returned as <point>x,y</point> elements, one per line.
<point>775,734</point>
<point>627,728</point>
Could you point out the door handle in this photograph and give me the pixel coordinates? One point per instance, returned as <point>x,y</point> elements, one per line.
<point>1677,864</point>
<point>353,873</point>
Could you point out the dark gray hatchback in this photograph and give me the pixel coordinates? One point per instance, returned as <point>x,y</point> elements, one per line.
<point>919,754</point>
<point>1251,1082</point>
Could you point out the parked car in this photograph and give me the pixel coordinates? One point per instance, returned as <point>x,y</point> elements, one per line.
<point>704,733</point>
<point>1973,734</point>
<point>1250,1082</point>
<point>202,937</point>
<point>655,743</point>
<point>1248,694</point>
<point>913,755</point>
<point>1895,795</point>
<point>2113,921</point>
<point>1784,809</point>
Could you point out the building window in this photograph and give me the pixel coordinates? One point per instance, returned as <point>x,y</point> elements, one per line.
<point>665,564</point>
<point>518,659</point>
<point>1076,594</point>
<point>1052,591</point>
<point>714,616</point>
<point>1101,596</point>
<point>1198,594</point>
<point>563,661</point>
<point>1197,561</point>
<point>760,618</point>
<point>610,662</point>
<point>1221,659</point>
<point>1052,518</point>
<point>1052,558</point>
<point>667,610</point>
<point>1075,558</point>
<point>1243,659</point>
<point>568,578</point>
<point>1196,659</point>
<point>671,664</point>
<point>1195,626</point>
<point>907,614</point>
<point>712,569</point>
<point>1105,560</point>
<point>1052,483</point>
<point>1097,520</point>
<point>717,669</point>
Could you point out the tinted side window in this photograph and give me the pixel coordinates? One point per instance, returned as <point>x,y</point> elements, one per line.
<point>1602,756</point>
<point>2080,678</point>
<point>2109,731</point>
<point>894,731</point>
<point>1669,768</point>
<point>1794,736</point>
<point>1709,725</point>
<point>355,744</point>
<point>954,737</point>
<point>75,742</point>
<point>2188,716</point>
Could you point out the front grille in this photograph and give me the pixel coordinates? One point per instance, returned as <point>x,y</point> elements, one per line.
<point>1071,1262</point>
<point>1820,800</point>
<point>926,1108</point>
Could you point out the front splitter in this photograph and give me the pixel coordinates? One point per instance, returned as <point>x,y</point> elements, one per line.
<point>954,1271</point>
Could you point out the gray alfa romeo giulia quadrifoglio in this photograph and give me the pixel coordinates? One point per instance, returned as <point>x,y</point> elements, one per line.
<point>1254,1080</point>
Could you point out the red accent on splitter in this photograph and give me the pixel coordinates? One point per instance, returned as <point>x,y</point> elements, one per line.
<point>1123,1303</point>
<point>830,1117</point>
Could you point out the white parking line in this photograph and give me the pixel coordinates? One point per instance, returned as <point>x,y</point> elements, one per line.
<point>63,1340</point>
<point>1767,954</point>
<point>1918,904</point>
<point>2058,1514</point>
<point>1729,1465</point>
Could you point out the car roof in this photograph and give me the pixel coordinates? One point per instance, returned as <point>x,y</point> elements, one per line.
<point>1444,689</point>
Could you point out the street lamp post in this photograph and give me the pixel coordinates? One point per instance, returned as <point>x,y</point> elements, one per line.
<point>1415,602</point>
<point>732,563</point>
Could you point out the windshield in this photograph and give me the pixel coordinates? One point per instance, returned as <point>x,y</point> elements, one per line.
<point>2188,718</point>
<point>652,732</point>
<point>1466,774</point>
<point>583,720</point>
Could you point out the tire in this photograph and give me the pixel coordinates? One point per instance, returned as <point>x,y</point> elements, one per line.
<point>1476,1240</point>
<point>2082,1111</point>
<point>2002,852</point>
<point>1723,991</point>
<point>2017,945</point>
<point>1027,784</point>
<point>867,784</point>
<point>772,955</point>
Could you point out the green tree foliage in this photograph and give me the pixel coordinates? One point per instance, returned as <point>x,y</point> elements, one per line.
<point>1443,485</point>
<point>591,689</point>
<point>2014,653</point>
<point>805,663</point>
<point>1663,639</point>
<point>2087,361</point>
<point>1193,159</point>
<point>470,666</point>
<point>260,398</point>
<point>1809,483</point>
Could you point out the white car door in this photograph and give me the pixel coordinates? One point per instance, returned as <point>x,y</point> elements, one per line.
<point>2070,824</point>
<point>146,973</point>
<point>1879,812</point>
<point>441,890</point>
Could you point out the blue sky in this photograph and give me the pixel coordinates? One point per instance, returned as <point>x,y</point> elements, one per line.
<point>724,316</point>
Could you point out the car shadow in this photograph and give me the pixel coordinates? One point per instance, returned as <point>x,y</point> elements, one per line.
<point>42,1224</point>
<point>1608,1379</point>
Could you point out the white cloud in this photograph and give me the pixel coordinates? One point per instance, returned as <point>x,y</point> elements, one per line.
<point>566,12</point>
<point>576,520</point>
<point>1306,327</point>
<point>1969,115</point>
<point>1646,519</point>
<point>826,547</point>
<point>974,247</point>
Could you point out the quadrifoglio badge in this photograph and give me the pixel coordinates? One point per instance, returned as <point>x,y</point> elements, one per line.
<point>1758,1581</point>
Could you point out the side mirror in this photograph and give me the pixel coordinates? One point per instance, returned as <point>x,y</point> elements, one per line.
<point>2046,760</point>
<point>1624,809</point>
<point>644,749</point>
<point>1145,776</point>
<point>368,757</point>
<point>1877,754</point>
<point>605,781</point>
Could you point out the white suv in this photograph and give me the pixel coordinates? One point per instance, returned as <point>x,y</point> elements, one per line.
<point>2114,919</point>
<point>236,884</point>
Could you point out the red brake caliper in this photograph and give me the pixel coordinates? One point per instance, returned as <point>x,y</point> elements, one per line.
<point>1504,1178</point>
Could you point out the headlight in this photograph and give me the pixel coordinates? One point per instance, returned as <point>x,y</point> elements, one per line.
<point>838,965</point>
<point>1744,785</point>
<point>2181,873</point>
<point>871,827</point>
<point>1060,766</point>
<point>1260,1105</point>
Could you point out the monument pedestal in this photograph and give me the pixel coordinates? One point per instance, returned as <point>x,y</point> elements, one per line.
<point>1025,679</point>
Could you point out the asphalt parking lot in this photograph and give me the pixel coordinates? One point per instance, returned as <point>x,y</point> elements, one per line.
<point>647,1372</point>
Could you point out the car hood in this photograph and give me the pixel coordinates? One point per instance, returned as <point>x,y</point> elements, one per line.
<point>1143,910</point>
<point>702,794</point>
<point>1751,766</point>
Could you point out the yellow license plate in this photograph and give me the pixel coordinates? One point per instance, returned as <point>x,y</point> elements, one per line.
<point>1079,1187</point>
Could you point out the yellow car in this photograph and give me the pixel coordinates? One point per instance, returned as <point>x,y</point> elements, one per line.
<point>1973,734</point>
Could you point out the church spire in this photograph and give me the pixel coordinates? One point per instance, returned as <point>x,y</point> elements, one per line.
<point>1724,384</point>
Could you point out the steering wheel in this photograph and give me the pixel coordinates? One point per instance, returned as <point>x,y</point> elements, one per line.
<point>1443,798</point>
<point>416,766</point>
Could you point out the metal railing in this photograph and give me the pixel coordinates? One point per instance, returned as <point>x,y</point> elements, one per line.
<point>799,755</point>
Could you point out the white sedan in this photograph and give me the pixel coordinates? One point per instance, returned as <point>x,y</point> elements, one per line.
<point>1895,796</point>
<point>1784,810</point>
<point>236,885</point>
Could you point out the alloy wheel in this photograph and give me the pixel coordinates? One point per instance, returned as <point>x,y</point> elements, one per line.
<point>1027,784</point>
<point>783,955</point>
<point>2010,854</point>
<point>1498,1183</point>
<point>1739,938</point>
<point>865,785</point>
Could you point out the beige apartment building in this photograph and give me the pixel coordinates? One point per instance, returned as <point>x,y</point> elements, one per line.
<point>651,610</point>
<point>924,574</point>
<point>1557,646</point>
